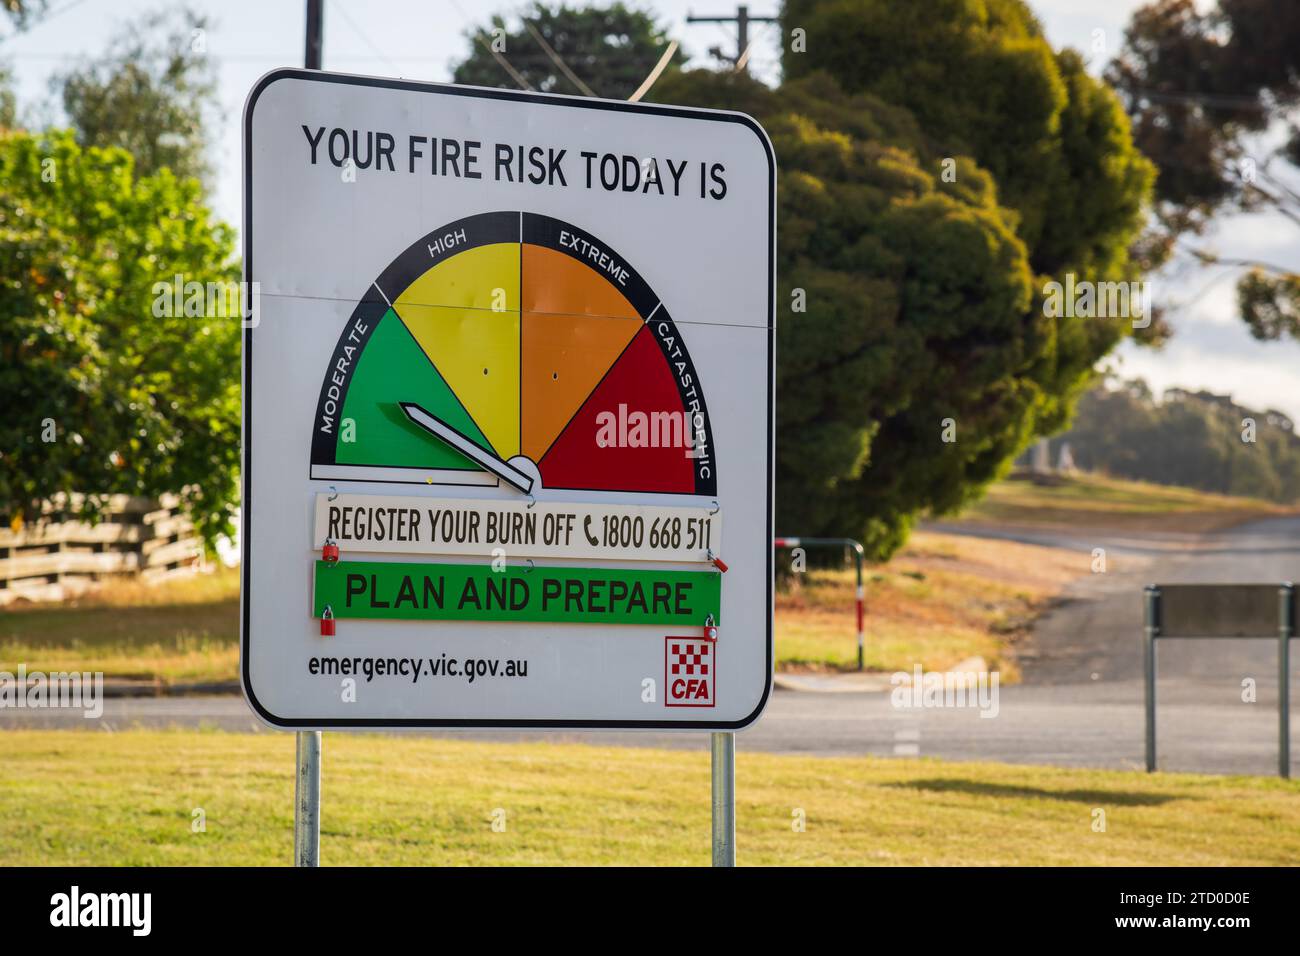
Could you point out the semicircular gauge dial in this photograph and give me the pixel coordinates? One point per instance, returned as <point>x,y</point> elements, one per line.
<point>510,347</point>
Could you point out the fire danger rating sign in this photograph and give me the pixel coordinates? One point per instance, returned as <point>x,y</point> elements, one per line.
<point>512,369</point>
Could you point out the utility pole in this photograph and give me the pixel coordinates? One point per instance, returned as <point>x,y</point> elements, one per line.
<point>742,20</point>
<point>307,751</point>
<point>315,33</point>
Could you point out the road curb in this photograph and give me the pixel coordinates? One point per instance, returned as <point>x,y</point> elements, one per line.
<point>149,688</point>
<point>861,682</point>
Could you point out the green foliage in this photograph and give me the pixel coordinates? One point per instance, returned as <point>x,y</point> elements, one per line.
<point>1270,304</point>
<point>139,404</point>
<point>982,81</point>
<point>978,76</point>
<point>611,49</point>
<point>1193,439</point>
<point>1197,79</point>
<point>919,212</point>
<point>149,94</point>
<point>1202,83</point>
<point>8,99</point>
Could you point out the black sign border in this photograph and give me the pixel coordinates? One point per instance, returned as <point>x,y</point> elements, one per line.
<point>246,506</point>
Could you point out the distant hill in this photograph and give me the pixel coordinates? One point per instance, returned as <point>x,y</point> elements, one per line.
<point>1193,439</point>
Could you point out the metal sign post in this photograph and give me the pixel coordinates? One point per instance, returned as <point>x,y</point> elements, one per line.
<point>306,804</point>
<point>1285,631</point>
<point>724,799</point>
<point>306,810</point>
<point>1217,611</point>
<point>1150,632</point>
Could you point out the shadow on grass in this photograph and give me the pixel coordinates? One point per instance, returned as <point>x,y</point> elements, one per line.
<point>980,788</point>
<point>97,627</point>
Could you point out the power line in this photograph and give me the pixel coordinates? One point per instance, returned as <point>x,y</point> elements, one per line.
<point>337,6</point>
<point>515,75</point>
<point>45,19</point>
<point>742,20</point>
<point>1241,101</point>
<point>743,63</point>
<point>649,81</point>
<point>49,57</point>
<point>558,60</point>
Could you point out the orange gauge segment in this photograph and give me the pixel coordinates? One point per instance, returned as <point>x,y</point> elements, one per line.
<point>563,357</point>
<point>555,282</point>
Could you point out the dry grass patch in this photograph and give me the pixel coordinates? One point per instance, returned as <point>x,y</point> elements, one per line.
<point>943,599</point>
<point>184,629</point>
<point>1092,501</point>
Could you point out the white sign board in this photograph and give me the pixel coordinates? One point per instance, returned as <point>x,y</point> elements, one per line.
<point>511,365</point>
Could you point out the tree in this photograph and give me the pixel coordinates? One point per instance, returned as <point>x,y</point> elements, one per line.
<point>949,165</point>
<point>1194,439</point>
<point>982,80</point>
<point>610,50</point>
<point>917,302</point>
<point>103,391</point>
<point>1201,85</point>
<point>22,13</point>
<point>148,94</point>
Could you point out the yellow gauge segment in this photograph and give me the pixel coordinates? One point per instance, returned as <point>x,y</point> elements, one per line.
<point>464,313</point>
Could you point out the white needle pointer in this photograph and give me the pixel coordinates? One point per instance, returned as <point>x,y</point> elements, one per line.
<point>485,459</point>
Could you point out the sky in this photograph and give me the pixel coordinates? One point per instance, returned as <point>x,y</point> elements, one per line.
<point>419,39</point>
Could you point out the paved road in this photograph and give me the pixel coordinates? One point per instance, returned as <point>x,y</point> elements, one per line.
<point>1099,724</point>
<point>1080,705</point>
<point>1096,634</point>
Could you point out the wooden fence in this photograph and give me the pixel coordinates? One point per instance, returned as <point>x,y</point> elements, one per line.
<point>59,555</point>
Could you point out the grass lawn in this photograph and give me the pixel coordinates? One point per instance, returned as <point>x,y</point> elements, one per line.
<point>941,600</point>
<point>86,797</point>
<point>1090,501</point>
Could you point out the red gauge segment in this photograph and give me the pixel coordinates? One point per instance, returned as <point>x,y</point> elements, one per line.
<point>631,432</point>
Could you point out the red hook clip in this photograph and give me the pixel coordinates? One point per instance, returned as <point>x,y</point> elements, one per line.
<point>717,562</point>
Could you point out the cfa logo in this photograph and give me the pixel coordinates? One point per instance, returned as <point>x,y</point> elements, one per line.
<point>690,671</point>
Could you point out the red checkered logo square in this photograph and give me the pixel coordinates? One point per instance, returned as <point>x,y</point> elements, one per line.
<point>689,672</point>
